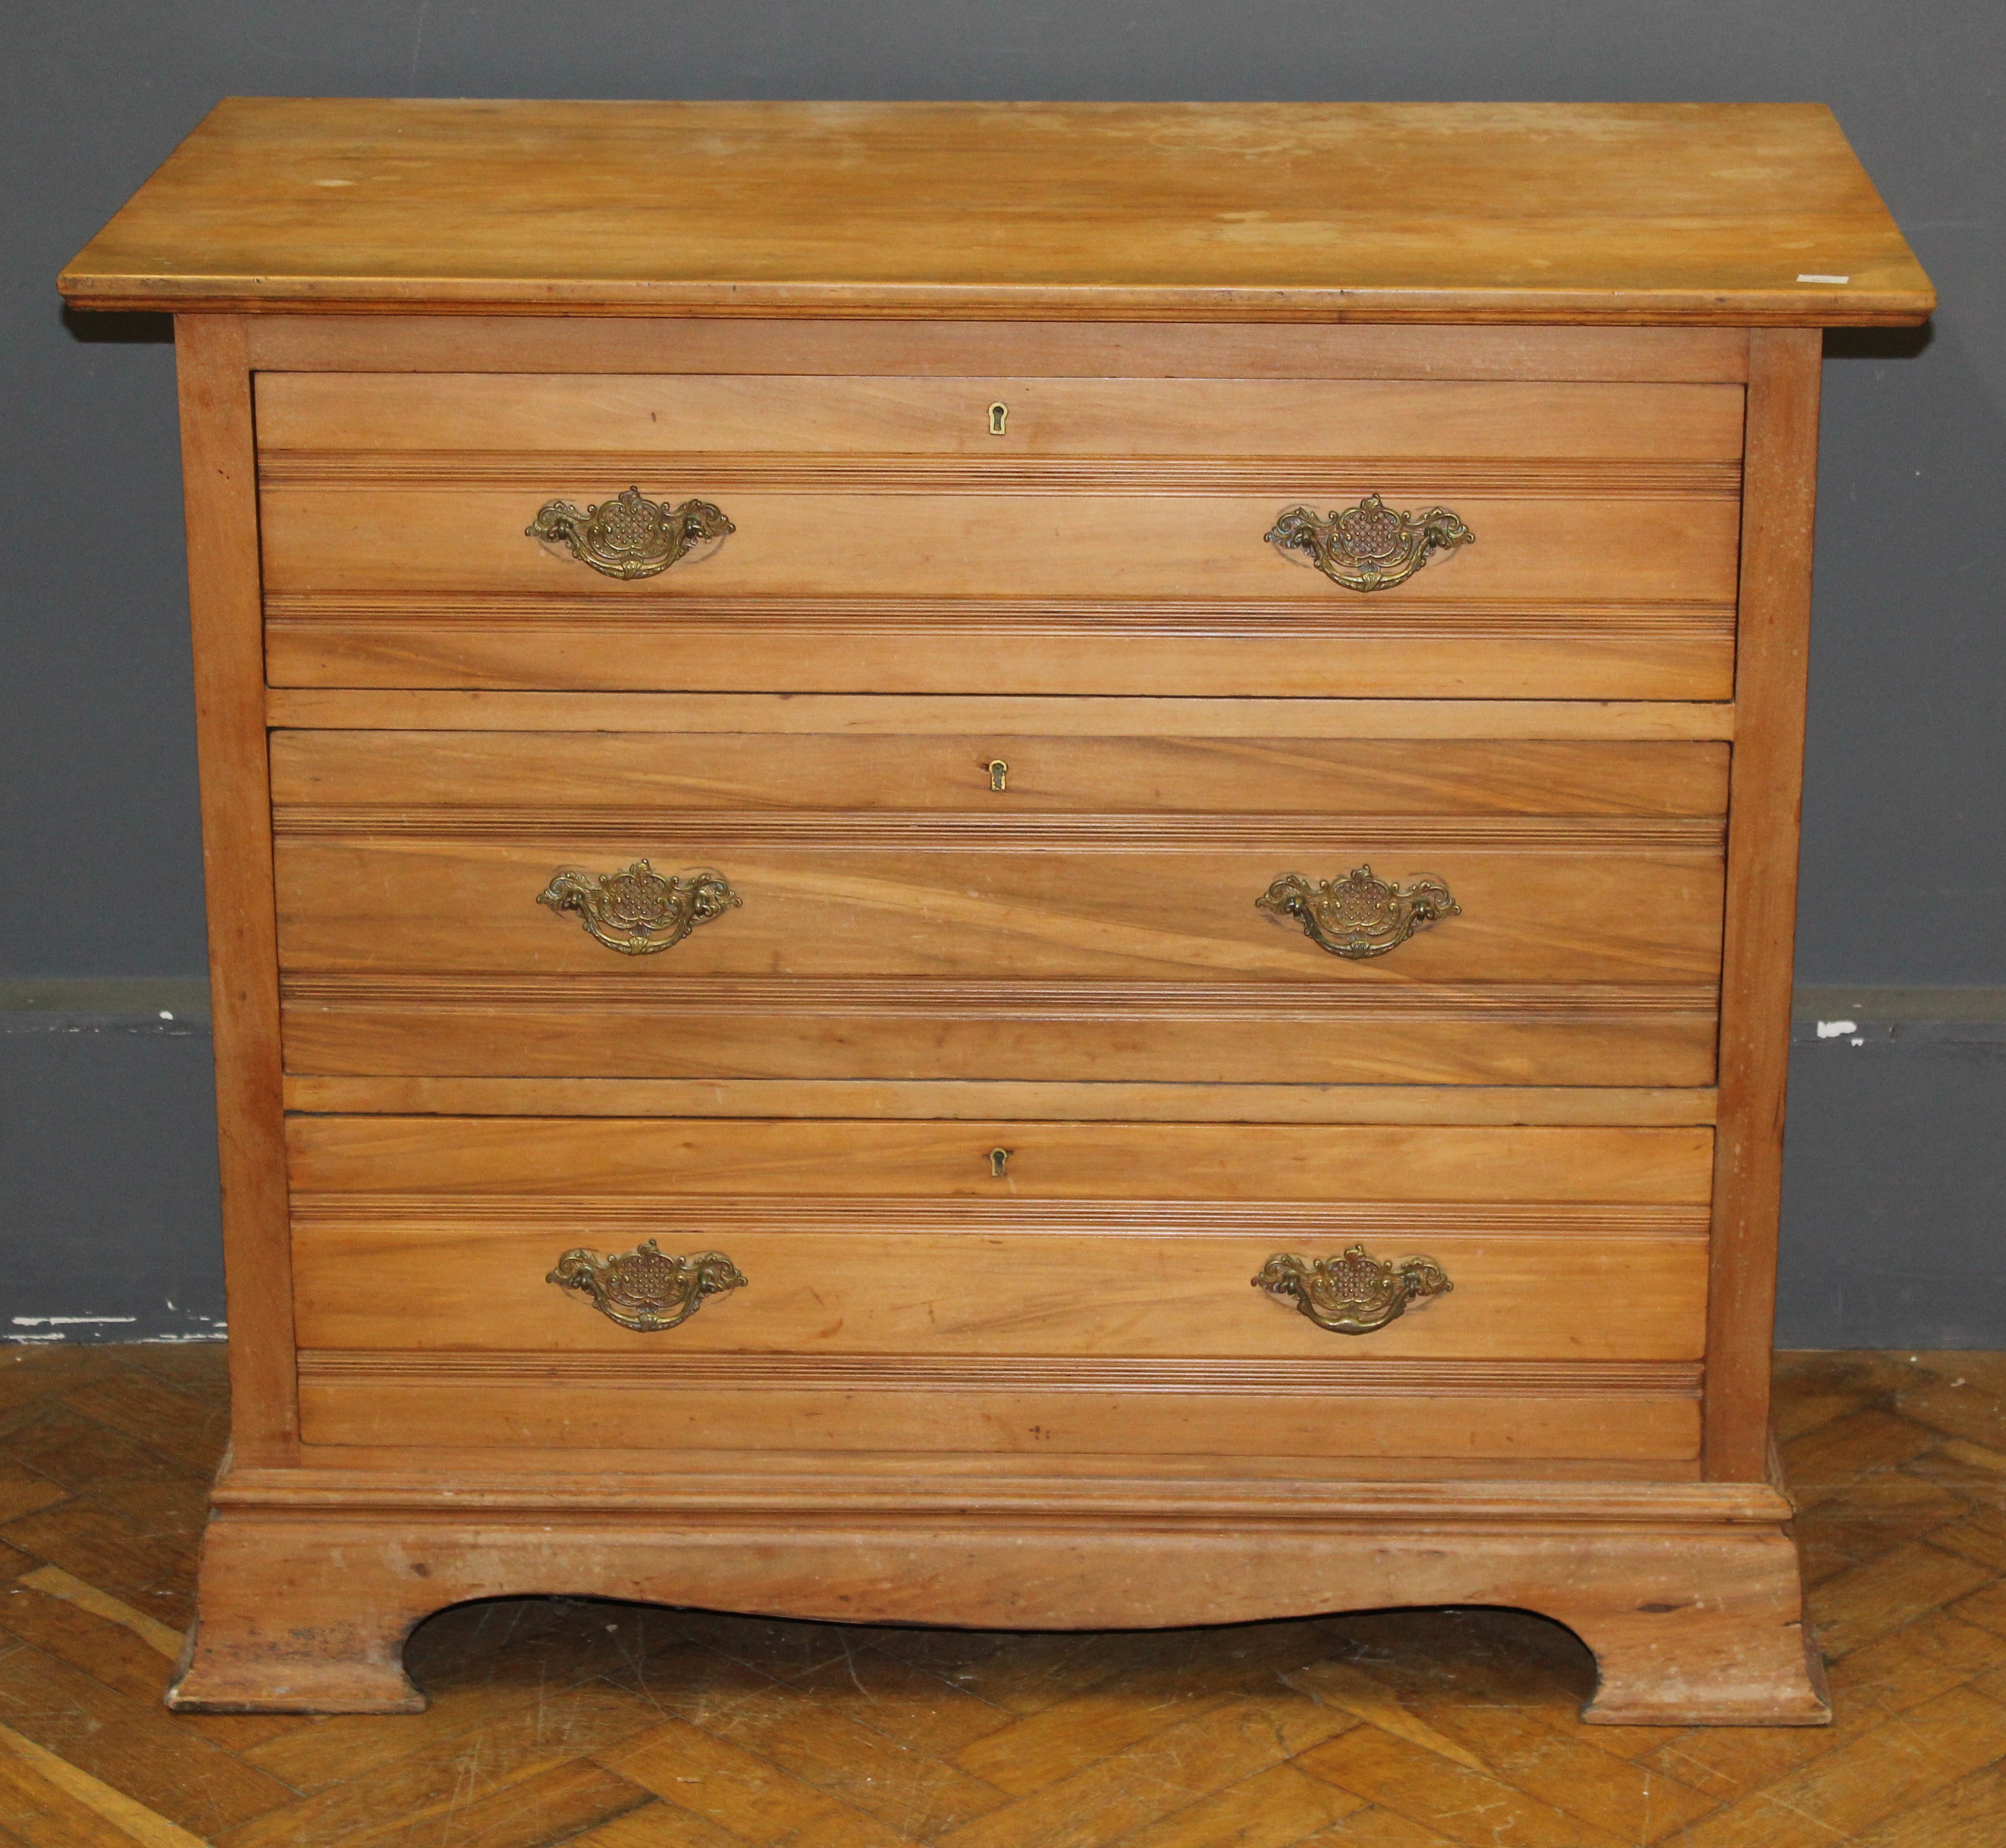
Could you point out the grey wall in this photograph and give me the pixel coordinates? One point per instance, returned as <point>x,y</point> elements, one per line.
<point>102,1149</point>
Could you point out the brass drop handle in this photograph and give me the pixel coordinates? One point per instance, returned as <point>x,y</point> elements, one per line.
<point>1359,916</point>
<point>638,911</point>
<point>629,535</point>
<point>1370,546</point>
<point>1355,1293</point>
<point>647,1290</point>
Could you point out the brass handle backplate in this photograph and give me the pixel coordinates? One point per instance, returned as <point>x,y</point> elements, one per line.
<point>1370,546</point>
<point>629,535</point>
<point>1353,1294</point>
<point>639,912</point>
<point>646,1289</point>
<point>1360,915</point>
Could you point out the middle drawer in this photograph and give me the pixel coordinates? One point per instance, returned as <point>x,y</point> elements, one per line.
<point>1002,906</point>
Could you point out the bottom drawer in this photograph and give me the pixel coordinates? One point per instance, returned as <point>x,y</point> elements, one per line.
<point>1635,1412</point>
<point>898,1287</point>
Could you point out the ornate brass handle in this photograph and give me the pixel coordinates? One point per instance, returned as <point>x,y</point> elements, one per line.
<point>628,536</point>
<point>639,913</point>
<point>646,1289</point>
<point>1353,1294</point>
<point>1359,916</point>
<point>1369,547</point>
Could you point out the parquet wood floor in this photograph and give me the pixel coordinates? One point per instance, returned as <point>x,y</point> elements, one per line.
<point>613,1726</point>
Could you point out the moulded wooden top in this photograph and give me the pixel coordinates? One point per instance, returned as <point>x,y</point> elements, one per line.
<point>1675,213</point>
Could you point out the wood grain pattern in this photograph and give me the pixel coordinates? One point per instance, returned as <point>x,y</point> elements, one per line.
<point>1546,650</point>
<point>447,343</point>
<point>689,1404</point>
<point>908,1373</point>
<point>1761,892</point>
<point>1237,1033</point>
<point>1153,477</point>
<point>631,1213</point>
<point>893,715</point>
<point>973,1289</point>
<point>1053,1161</point>
<point>331,1610</point>
<point>220,489</point>
<point>1140,903</point>
<point>808,543</point>
<point>838,777</point>
<point>1077,1498</point>
<point>1085,1100</point>
<point>372,1473</point>
<point>330,422</point>
<point>1654,213</point>
<point>487,1417</point>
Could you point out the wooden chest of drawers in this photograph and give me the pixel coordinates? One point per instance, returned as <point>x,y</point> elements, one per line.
<point>1010,867</point>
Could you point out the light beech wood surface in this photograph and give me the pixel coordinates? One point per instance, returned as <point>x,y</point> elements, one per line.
<point>1086,1100</point>
<point>896,715</point>
<point>488,1417</point>
<point>220,488</point>
<point>1050,1161</point>
<point>401,1284</point>
<point>470,540</point>
<point>901,1029</point>
<point>997,906</point>
<point>486,772</point>
<point>329,425</point>
<point>1435,212</point>
<point>1761,911</point>
<point>1634,657</point>
<point>962,348</point>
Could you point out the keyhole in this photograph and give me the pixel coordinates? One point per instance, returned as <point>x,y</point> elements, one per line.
<point>999,1159</point>
<point>999,775</point>
<point>999,415</point>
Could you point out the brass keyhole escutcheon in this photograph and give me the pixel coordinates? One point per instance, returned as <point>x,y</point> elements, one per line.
<point>999,775</point>
<point>999,1160</point>
<point>999,415</point>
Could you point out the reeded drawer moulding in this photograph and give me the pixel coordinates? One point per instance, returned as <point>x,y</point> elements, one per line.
<point>917,998</point>
<point>1343,478</point>
<point>893,1373</point>
<point>896,714</point>
<point>1060,1498</point>
<point>1022,832</point>
<point>1168,1219</point>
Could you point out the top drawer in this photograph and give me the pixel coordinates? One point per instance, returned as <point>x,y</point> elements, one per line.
<point>1111,536</point>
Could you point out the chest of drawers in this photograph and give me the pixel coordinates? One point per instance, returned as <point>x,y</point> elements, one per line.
<point>1008,866</point>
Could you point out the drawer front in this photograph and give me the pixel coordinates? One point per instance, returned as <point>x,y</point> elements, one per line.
<point>323,425</point>
<point>1097,1295</point>
<point>1144,904</point>
<point>1630,1418</point>
<point>1096,915</point>
<point>1111,538</point>
<point>379,775</point>
<point>798,541</point>
<point>1161,903</point>
<point>443,1027</point>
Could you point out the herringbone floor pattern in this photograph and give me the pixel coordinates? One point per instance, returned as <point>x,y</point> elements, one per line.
<point>608,1725</point>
